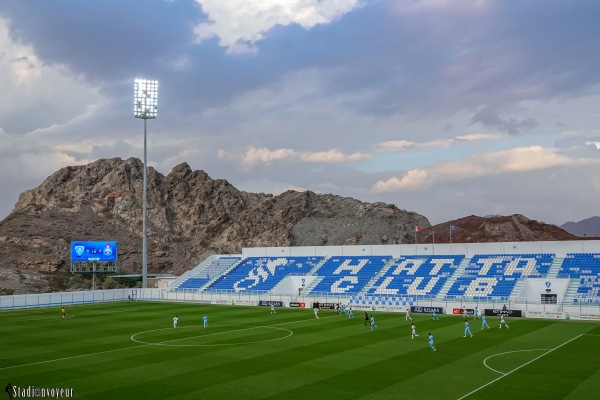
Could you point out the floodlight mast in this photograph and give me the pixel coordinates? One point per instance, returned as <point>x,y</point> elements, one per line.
<point>145,106</point>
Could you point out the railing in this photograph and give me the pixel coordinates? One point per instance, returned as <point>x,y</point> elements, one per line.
<point>83,297</point>
<point>252,298</point>
<point>448,302</point>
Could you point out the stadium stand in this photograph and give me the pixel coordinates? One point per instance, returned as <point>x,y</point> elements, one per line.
<point>203,274</point>
<point>495,275</point>
<point>586,268</point>
<point>262,273</point>
<point>383,280</point>
<point>416,275</point>
<point>347,274</point>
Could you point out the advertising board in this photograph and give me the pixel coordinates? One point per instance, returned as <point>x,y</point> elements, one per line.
<point>426,310</point>
<point>496,312</point>
<point>269,303</point>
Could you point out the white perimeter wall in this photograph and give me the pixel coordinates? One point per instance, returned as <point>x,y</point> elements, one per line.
<point>558,248</point>
<point>292,284</point>
<point>535,287</point>
<point>81,297</point>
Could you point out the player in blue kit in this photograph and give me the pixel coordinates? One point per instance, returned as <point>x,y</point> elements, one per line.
<point>343,311</point>
<point>373,323</point>
<point>434,315</point>
<point>350,313</point>
<point>205,319</point>
<point>476,313</point>
<point>467,329</point>
<point>431,342</point>
<point>484,322</point>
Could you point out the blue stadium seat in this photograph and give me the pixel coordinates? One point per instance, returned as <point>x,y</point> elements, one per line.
<point>347,274</point>
<point>416,275</point>
<point>263,273</point>
<point>586,268</point>
<point>495,275</point>
<point>201,276</point>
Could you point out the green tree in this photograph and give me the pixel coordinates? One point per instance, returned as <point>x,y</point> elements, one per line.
<point>110,283</point>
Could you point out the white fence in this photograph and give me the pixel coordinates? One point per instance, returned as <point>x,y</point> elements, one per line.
<point>252,298</point>
<point>66,298</point>
<point>249,298</point>
<point>558,248</point>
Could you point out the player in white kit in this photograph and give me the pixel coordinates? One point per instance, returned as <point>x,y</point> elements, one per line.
<point>413,330</point>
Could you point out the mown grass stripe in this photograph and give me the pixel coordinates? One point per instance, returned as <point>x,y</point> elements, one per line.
<point>333,356</point>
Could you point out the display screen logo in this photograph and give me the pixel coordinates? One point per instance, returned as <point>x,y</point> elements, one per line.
<point>93,251</point>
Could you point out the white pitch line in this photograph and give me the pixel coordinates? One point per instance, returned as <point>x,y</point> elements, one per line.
<point>519,367</point>
<point>217,333</point>
<point>193,337</point>
<point>110,312</point>
<point>109,351</point>
<point>166,342</point>
<point>7,314</point>
<point>56,318</point>
<point>72,357</point>
<point>506,352</point>
<point>302,320</point>
<point>71,315</point>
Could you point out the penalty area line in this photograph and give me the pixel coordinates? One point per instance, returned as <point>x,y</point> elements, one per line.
<point>519,367</point>
<point>507,352</point>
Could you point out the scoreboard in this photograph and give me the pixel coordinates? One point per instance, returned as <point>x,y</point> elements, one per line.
<point>94,251</point>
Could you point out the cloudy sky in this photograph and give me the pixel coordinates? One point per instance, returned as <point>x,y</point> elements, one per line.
<point>443,107</point>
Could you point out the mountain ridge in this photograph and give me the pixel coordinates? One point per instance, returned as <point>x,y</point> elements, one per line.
<point>589,227</point>
<point>191,216</point>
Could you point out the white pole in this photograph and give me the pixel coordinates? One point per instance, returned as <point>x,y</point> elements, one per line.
<point>145,217</point>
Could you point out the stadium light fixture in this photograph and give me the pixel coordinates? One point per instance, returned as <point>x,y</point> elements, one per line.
<point>145,106</point>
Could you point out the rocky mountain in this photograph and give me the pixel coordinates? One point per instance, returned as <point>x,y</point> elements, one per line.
<point>589,227</point>
<point>474,229</point>
<point>190,216</point>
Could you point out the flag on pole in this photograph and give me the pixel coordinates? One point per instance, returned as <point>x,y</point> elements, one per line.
<point>418,228</point>
<point>452,228</point>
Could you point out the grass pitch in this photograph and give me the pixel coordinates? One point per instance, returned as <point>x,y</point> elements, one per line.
<point>129,350</point>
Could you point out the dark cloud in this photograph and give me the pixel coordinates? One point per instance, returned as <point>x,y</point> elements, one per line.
<point>385,71</point>
<point>384,61</point>
<point>489,117</point>
<point>102,40</point>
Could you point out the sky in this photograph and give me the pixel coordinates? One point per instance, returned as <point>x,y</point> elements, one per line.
<point>447,108</point>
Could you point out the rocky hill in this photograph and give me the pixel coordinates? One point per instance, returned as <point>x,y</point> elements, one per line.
<point>191,216</point>
<point>589,227</point>
<point>474,229</point>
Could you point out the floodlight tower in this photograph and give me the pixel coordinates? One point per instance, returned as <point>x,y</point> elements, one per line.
<point>145,106</point>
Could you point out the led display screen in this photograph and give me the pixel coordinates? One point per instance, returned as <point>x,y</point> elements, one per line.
<point>93,251</point>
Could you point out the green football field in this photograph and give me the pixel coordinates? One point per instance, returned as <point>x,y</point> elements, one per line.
<point>129,350</point>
